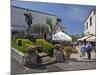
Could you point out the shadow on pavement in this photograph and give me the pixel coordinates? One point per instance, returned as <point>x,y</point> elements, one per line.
<point>81,60</point>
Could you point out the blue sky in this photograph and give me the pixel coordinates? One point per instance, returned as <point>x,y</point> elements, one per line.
<point>72,16</point>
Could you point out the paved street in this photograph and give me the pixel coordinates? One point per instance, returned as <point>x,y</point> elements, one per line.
<point>73,65</point>
<point>17,68</point>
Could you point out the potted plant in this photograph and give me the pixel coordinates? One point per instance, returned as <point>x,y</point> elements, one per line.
<point>31,49</point>
<point>30,58</point>
<point>67,52</point>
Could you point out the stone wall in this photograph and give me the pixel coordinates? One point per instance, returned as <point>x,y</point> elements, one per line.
<point>16,55</point>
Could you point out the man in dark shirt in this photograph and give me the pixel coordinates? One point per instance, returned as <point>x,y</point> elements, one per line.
<point>89,49</point>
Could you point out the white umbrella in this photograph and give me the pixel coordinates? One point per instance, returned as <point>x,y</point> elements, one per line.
<point>60,36</point>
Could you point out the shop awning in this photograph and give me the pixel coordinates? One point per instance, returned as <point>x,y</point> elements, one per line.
<point>92,38</point>
<point>83,38</point>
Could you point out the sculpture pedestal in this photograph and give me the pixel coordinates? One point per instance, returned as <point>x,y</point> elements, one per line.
<point>30,60</point>
<point>58,56</point>
<point>29,30</point>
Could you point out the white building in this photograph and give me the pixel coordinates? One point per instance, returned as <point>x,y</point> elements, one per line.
<point>90,27</point>
<point>18,19</point>
<point>90,24</point>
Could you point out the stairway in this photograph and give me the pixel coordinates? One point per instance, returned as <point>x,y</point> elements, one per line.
<point>45,58</point>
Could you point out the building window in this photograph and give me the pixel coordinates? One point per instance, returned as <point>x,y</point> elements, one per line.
<point>90,21</point>
<point>87,25</point>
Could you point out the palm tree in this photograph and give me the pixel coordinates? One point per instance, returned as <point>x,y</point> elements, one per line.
<point>41,29</point>
<point>49,22</point>
<point>36,28</point>
<point>45,29</point>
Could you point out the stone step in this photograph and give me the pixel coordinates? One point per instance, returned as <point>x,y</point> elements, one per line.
<point>45,58</point>
<point>42,54</point>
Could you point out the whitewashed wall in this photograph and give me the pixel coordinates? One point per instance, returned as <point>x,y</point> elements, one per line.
<point>91,29</point>
<point>18,19</point>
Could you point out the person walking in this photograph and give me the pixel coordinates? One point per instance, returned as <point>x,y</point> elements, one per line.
<point>82,50</point>
<point>89,49</point>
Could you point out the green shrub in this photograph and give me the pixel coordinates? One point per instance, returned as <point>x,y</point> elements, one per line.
<point>48,48</point>
<point>23,42</point>
<point>26,45</point>
<point>45,46</point>
<point>26,42</point>
<point>16,46</point>
<point>40,42</point>
<point>19,42</point>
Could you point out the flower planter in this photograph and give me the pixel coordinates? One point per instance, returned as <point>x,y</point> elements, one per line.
<point>67,52</point>
<point>67,55</point>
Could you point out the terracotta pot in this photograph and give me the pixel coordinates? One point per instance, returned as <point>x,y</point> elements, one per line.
<point>67,55</point>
